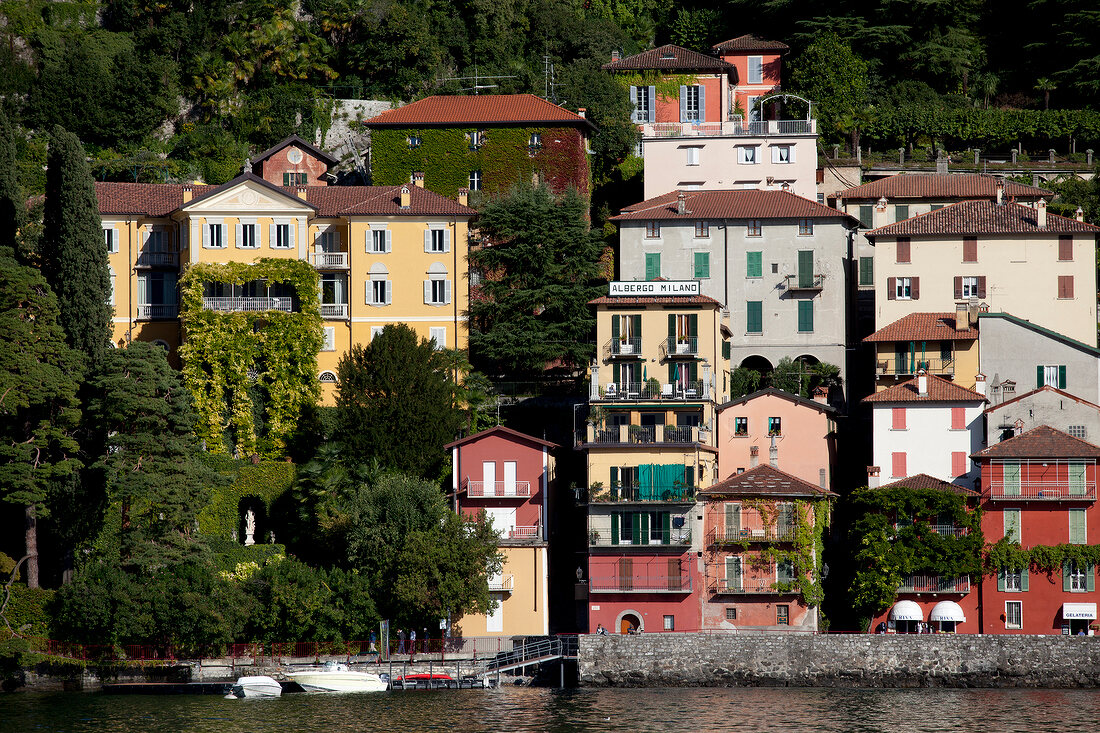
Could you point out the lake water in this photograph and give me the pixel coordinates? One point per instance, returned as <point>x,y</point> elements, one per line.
<point>663,710</point>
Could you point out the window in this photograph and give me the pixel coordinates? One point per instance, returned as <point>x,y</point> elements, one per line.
<point>326,378</point>
<point>692,155</point>
<point>903,288</point>
<point>652,230</point>
<point>652,265</point>
<point>691,104</point>
<point>1013,580</point>
<point>866,216</point>
<point>1050,375</point>
<point>782,154</point>
<point>754,228</point>
<point>897,415</point>
<point>1076,484</point>
<point>295,179</point>
<point>670,623</point>
<point>754,264</point>
<point>329,241</point>
<point>805,227</point>
<point>756,70</point>
<point>439,336</point>
<point>805,316</point>
<point>437,240</point>
<point>969,287</point>
<point>414,140</point>
<point>1077,578</point>
<point>1078,431</point>
<point>702,229</point>
<point>375,331</point>
<point>903,254</point>
<point>897,467</point>
<point>535,141</point>
<point>958,418</point>
<point>746,154</point>
<point>740,426</point>
<point>1065,248</point>
<point>784,571</point>
<point>1014,614</point>
<point>775,426</point>
<point>1078,534</point>
<point>334,289</point>
<point>752,107</point>
<point>1010,478</point>
<point>866,270</point>
<point>935,207</point>
<point>1012,525</point>
<point>110,238</point>
<point>821,199</point>
<point>754,316</point>
<point>477,139</point>
<point>282,239</point>
<point>642,96</point>
<point>901,212</point>
<point>329,342</point>
<point>782,615</point>
<point>379,241</point>
<point>247,234</point>
<point>437,291</point>
<point>475,180</point>
<point>379,290</point>
<point>970,249</point>
<point>213,235</point>
<point>958,463</point>
<point>1065,287</point>
<point>731,613</point>
<point>702,265</point>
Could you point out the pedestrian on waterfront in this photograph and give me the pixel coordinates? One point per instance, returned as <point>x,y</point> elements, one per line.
<point>401,641</point>
<point>881,628</point>
<point>412,641</point>
<point>600,630</point>
<point>373,649</point>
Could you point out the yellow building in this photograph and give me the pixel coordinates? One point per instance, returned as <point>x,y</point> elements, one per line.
<point>384,254</point>
<point>944,344</point>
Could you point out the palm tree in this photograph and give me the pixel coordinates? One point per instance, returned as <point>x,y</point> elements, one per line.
<point>1046,86</point>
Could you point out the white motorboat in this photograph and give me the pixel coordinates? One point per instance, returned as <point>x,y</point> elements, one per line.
<point>258,686</point>
<point>336,677</point>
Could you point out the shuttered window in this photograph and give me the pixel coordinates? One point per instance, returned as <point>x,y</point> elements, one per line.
<point>1011,473</point>
<point>958,463</point>
<point>1065,247</point>
<point>1012,525</point>
<point>901,213</point>
<point>1065,287</point>
<point>866,216</point>
<point>898,415</point>
<point>1076,484</point>
<point>903,254</point>
<point>897,461</point>
<point>970,249</point>
<point>733,573</point>
<point>958,418</point>
<point>754,264</point>
<point>866,270</point>
<point>702,264</point>
<point>652,265</point>
<point>1078,534</point>
<point>805,316</point>
<point>754,316</point>
<point>805,268</point>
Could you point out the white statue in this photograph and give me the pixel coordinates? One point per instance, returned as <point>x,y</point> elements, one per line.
<point>249,527</point>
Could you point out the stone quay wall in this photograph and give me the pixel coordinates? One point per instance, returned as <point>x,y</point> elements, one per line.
<point>838,660</point>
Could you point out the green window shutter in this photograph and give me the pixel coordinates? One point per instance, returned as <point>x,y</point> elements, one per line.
<point>616,517</point>
<point>1012,479</point>
<point>666,528</point>
<point>702,264</point>
<point>1090,578</point>
<point>1062,376</point>
<point>1039,376</point>
<point>1065,577</point>
<point>614,475</point>
<point>1077,526</point>
<point>754,312</point>
<point>1077,480</point>
<point>652,265</point>
<point>866,216</point>
<point>805,316</point>
<point>754,264</point>
<point>693,372</point>
<point>671,330</point>
<point>805,268</point>
<point>614,327</point>
<point>618,373</point>
<point>1023,578</point>
<point>901,213</point>
<point>1001,579</point>
<point>636,321</point>
<point>725,349</point>
<point>693,325</point>
<point>866,270</point>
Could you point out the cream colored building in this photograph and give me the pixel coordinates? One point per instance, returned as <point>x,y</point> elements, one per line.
<point>383,254</point>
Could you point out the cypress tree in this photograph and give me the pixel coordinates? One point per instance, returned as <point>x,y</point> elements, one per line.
<point>72,253</point>
<point>12,208</point>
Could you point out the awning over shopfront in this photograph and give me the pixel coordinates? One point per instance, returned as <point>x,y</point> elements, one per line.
<point>906,611</point>
<point>947,611</point>
<point>1085,611</point>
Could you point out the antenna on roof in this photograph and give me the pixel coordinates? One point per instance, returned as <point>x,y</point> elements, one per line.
<point>476,79</point>
<point>549,86</point>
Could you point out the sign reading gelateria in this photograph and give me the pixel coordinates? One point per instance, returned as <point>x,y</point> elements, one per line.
<point>635,288</point>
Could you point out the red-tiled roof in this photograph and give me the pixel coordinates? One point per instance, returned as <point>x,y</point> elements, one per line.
<point>1040,442</point>
<point>982,217</point>
<point>295,140</point>
<point>487,109</point>
<point>655,300</point>
<point>750,42</point>
<point>924,481</point>
<point>939,390</point>
<point>504,432</point>
<point>669,58</point>
<point>143,199</point>
<point>249,176</point>
<point>924,327</point>
<point>941,186</point>
<point>763,480</point>
<point>773,392</point>
<point>735,204</point>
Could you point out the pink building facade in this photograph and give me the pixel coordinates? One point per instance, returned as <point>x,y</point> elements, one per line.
<point>294,162</point>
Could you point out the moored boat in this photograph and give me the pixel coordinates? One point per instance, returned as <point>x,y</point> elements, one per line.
<point>336,677</point>
<point>257,686</point>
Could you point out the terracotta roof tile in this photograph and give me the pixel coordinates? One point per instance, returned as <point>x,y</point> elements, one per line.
<point>669,58</point>
<point>982,217</point>
<point>655,300</point>
<point>939,390</point>
<point>1040,442</point>
<point>144,199</point>
<point>941,186</point>
<point>504,432</point>
<point>735,204</point>
<point>763,480</point>
<point>923,327</point>
<point>924,481</point>
<point>451,111</point>
<point>295,140</point>
<point>774,392</point>
<point>750,42</point>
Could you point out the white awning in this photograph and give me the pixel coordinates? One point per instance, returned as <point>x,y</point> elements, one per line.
<point>1079,611</point>
<point>947,611</point>
<point>906,611</point>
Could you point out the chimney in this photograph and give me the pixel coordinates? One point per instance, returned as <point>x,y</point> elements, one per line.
<point>681,203</point>
<point>1079,215</point>
<point>821,395</point>
<point>188,194</point>
<point>405,197</point>
<point>962,316</point>
<point>878,219</point>
<point>786,186</point>
<point>979,383</point>
<point>773,454</point>
<point>873,477</point>
<point>1000,191</point>
<point>754,456</point>
<point>615,56</point>
<point>418,179</point>
<point>972,311</point>
<point>582,111</point>
<point>922,383</point>
<point>464,196</point>
<point>302,192</point>
<point>1041,213</point>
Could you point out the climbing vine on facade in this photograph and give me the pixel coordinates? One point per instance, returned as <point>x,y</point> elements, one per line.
<point>251,373</point>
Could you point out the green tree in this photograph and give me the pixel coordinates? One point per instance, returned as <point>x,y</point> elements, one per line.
<point>696,29</point>
<point>396,402</point>
<point>153,474</point>
<point>72,254</point>
<point>539,265</point>
<point>607,104</point>
<point>12,203</point>
<point>835,79</point>
<point>39,413</point>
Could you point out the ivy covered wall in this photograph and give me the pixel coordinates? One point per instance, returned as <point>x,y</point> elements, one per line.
<point>504,157</point>
<point>251,373</point>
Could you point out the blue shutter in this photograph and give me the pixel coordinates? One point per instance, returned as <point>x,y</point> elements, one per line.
<point>652,104</point>
<point>634,103</point>
<point>702,103</point>
<point>683,103</point>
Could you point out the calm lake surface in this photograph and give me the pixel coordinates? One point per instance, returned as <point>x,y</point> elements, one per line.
<point>533,709</point>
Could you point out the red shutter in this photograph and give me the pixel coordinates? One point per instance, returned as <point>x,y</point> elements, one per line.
<point>958,288</point>
<point>1065,286</point>
<point>981,286</point>
<point>958,463</point>
<point>916,288</point>
<point>898,468</point>
<point>891,287</point>
<point>958,418</point>
<point>903,249</point>
<point>970,249</point>
<point>899,418</point>
<point>1065,247</point>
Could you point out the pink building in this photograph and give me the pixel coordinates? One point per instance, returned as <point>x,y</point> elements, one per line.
<point>781,429</point>
<point>758,64</point>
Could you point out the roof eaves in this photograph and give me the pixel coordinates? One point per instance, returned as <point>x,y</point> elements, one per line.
<point>243,178</point>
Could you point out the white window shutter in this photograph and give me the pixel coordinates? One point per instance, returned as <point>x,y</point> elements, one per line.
<point>446,240</point>
<point>427,291</point>
<point>206,235</point>
<point>683,103</point>
<point>447,291</point>
<point>238,235</point>
<point>114,239</point>
<point>368,293</point>
<point>272,237</point>
<point>790,154</point>
<point>368,240</point>
<point>330,339</point>
<point>634,101</point>
<point>389,293</point>
<point>775,153</point>
<point>427,240</point>
<point>389,241</point>
<point>702,103</point>
<point>652,104</point>
<point>112,300</point>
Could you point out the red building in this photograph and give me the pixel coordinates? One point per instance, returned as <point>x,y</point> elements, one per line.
<point>509,476</point>
<point>1039,489</point>
<point>294,162</point>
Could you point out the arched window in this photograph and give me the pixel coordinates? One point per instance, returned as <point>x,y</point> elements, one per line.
<point>327,377</point>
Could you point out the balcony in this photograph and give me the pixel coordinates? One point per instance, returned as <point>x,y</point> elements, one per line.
<point>735,128</point>
<point>680,347</point>
<point>674,494</point>
<point>649,583</point>
<point>244,304</point>
<point>947,530</point>
<point>334,310</point>
<point>737,586</point>
<point>1041,491</point>
<point>737,535</point>
<point>624,347</point>
<point>654,539</point>
<point>797,283</point>
<point>908,367</point>
<point>498,489</point>
<point>158,259</point>
<point>502,584</point>
<point>645,435</point>
<point>627,391</point>
<point>521,533</point>
<point>935,584</point>
<point>157,311</point>
<point>330,260</point>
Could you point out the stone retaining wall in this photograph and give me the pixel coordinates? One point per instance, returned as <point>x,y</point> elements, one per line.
<point>839,660</point>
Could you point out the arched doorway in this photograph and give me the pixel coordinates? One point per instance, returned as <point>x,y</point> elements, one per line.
<point>756,363</point>
<point>629,623</point>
